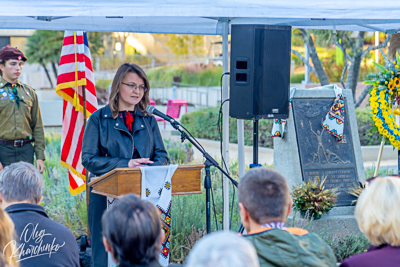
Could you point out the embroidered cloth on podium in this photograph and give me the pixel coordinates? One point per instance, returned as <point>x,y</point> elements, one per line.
<point>157,189</point>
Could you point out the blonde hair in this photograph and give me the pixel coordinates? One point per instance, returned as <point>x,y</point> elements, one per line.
<point>7,238</point>
<point>376,212</point>
<point>116,84</point>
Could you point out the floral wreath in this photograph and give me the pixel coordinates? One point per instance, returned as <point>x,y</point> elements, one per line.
<point>384,94</point>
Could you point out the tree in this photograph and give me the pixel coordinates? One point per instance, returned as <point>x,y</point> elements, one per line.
<point>353,51</point>
<point>394,45</point>
<point>122,36</point>
<point>186,44</point>
<point>44,47</point>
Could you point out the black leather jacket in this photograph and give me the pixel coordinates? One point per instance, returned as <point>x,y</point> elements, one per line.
<point>107,143</point>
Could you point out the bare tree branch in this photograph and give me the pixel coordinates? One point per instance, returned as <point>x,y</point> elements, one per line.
<point>362,96</point>
<point>343,74</point>
<point>345,55</point>
<point>318,67</point>
<point>307,62</point>
<point>384,44</point>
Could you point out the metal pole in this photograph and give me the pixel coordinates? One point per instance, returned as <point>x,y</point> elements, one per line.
<point>378,161</point>
<point>241,159</point>
<point>306,68</point>
<point>255,143</point>
<point>225,120</point>
<point>377,43</point>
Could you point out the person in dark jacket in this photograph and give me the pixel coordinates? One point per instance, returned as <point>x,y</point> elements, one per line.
<point>40,241</point>
<point>120,135</point>
<point>378,218</point>
<point>132,232</point>
<point>264,204</point>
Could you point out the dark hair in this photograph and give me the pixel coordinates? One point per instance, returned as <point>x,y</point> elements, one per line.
<point>133,228</point>
<point>3,62</point>
<point>265,194</point>
<point>116,85</point>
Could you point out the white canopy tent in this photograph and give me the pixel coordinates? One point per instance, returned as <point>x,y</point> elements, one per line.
<point>197,16</point>
<point>210,17</point>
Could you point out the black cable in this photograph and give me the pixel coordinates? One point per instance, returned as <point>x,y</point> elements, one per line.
<point>193,137</point>
<point>233,201</point>
<point>215,212</point>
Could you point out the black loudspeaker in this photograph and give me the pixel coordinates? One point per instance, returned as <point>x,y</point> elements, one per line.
<point>260,71</point>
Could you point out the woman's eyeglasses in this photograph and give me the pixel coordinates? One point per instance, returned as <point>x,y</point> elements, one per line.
<point>135,87</point>
<point>369,180</point>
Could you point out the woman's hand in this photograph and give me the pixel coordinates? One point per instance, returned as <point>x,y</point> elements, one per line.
<point>138,162</point>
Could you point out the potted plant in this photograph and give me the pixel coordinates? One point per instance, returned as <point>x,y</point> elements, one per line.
<point>312,196</point>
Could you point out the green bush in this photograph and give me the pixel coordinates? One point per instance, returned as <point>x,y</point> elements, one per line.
<point>297,78</point>
<point>207,77</point>
<point>103,83</point>
<point>202,123</point>
<point>349,245</point>
<point>179,153</point>
<point>367,130</point>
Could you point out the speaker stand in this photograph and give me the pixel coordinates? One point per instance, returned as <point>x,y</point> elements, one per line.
<point>255,157</point>
<point>255,145</point>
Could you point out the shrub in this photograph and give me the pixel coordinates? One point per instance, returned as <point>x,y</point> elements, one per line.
<point>367,130</point>
<point>348,246</point>
<point>297,78</point>
<point>179,153</point>
<point>103,83</point>
<point>202,123</point>
<point>205,77</point>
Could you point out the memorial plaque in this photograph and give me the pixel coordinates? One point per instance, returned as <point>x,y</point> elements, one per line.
<point>320,154</point>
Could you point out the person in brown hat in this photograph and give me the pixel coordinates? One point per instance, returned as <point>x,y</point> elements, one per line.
<point>21,126</point>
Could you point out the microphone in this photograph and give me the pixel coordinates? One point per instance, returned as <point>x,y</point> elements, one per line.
<point>152,110</point>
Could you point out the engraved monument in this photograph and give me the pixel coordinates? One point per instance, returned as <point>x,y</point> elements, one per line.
<point>307,150</point>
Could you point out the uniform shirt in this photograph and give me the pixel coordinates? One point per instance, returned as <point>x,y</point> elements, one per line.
<point>23,122</point>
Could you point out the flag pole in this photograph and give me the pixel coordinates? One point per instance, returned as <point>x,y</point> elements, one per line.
<point>86,173</point>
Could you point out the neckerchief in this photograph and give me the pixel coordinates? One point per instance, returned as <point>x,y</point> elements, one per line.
<point>128,118</point>
<point>15,92</point>
<point>273,225</point>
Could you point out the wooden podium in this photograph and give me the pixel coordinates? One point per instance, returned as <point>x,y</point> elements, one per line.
<point>121,181</point>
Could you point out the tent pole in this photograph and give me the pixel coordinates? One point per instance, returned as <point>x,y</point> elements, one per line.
<point>225,121</point>
<point>240,136</point>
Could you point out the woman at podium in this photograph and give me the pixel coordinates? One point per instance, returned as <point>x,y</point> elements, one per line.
<point>120,135</point>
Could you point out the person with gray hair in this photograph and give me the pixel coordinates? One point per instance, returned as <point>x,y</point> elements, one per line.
<point>223,249</point>
<point>40,241</point>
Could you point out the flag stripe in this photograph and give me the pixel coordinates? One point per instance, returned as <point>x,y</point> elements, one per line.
<point>73,121</point>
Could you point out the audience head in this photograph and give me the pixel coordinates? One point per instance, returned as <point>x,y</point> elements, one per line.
<point>376,211</point>
<point>20,182</point>
<point>117,84</point>
<point>223,249</point>
<point>132,231</point>
<point>264,197</point>
<point>7,239</point>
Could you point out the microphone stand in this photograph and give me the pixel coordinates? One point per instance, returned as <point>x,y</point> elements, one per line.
<point>208,163</point>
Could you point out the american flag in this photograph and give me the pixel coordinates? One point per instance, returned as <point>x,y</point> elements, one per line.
<point>75,71</point>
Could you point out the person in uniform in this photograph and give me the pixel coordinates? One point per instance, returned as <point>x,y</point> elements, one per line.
<point>21,126</point>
